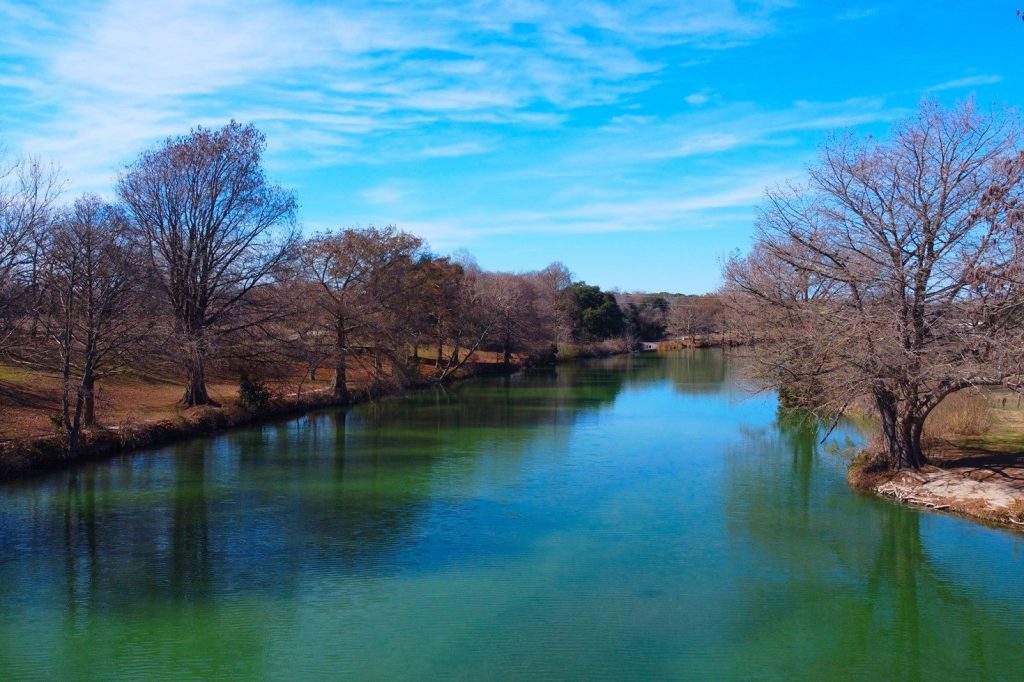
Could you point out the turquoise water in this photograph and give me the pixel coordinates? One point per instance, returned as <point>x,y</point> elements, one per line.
<point>633,518</point>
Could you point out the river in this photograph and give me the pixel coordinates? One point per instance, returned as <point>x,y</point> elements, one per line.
<point>643,517</point>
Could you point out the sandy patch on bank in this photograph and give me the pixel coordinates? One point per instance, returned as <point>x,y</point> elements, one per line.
<point>974,483</point>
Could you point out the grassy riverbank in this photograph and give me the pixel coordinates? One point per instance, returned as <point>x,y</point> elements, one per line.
<point>141,411</point>
<point>137,412</point>
<point>21,458</point>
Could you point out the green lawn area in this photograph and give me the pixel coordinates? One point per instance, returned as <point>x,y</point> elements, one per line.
<point>1007,431</point>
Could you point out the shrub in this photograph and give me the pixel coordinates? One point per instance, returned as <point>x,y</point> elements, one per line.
<point>546,357</point>
<point>253,394</point>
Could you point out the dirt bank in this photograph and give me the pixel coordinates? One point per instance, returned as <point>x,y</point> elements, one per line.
<point>972,482</point>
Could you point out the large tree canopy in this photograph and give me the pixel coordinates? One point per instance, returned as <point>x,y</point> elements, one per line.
<point>894,272</point>
<point>214,228</point>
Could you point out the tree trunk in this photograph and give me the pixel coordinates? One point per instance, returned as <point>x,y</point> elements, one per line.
<point>450,369</point>
<point>195,379</point>
<point>89,400</point>
<point>75,430</point>
<point>340,375</point>
<point>340,379</point>
<point>901,433</point>
<point>70,426</point>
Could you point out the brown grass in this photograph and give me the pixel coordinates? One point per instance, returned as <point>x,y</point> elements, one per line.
<point>1016,511</point>
<point>1005,433</point>
<point>135,411</point>
<point>35,455</point>
<point>29,398</point>
<point>965,413</point>
<point>868,469</point>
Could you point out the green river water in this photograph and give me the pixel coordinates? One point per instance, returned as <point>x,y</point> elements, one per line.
<point>631,518</point>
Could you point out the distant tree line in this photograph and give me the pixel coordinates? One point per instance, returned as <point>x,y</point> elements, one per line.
<point>198,266</point>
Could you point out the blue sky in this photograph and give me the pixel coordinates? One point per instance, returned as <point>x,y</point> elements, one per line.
<point>629,140</point>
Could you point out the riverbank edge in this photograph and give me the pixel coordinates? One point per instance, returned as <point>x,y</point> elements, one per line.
<point>25,459</point>
<point>30,458</point>
<point>989,501</point>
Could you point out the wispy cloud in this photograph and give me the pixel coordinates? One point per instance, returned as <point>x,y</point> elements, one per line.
<point>737,126</point>
<point>389,193</point>
<point>857,14</point>
<point>967,82</point>
<point>112,76</point>
<point>704,204</point>
<point>642,174</point>
<point>453,150</point>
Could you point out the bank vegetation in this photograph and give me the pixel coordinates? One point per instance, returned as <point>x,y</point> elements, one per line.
<point>192,300</point>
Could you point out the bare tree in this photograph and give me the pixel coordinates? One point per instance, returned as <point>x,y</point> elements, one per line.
<point>468,319</point>
<point>894,273</point>
<point>514,299</point>
<point>553,282</point>
<point>214,230</point>
<point>441,294</point>
<point>307,336</point>
<point>364,278</point>
<point>28,191</point>
<point>92,283</point>
<point>694,315</point>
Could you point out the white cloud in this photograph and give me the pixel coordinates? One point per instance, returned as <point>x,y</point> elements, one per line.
<point>456,149</point>
<point>857,14</point>
<point>968,82</point>
<point>696,204</point>
<point>697,99</point>
<point>177,48</point>
<point>389,193</point>
<point>111,77</point>
<point>705,143</point>
<point>634,139</point>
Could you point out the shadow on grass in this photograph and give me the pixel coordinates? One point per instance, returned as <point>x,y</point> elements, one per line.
<point>1008,465</point>
<point>24,396</point>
